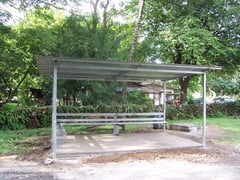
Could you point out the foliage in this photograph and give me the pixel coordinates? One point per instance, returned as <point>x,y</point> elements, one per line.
<point>194,111</point>
<point>33,117</point>
<point>22,118</point>
<point>40,117</point>
<point>187,32</point>
<point>45,31</point>
<point>11,74</point>
<point>22,6</point>
<point>8,120</point>
<point>193,32</point>
<point>101,108</point>
<point>138,97</point>
<point>20,44</point>
<point>230,87</point>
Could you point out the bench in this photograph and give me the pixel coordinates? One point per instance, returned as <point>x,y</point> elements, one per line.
<point>114,119</point>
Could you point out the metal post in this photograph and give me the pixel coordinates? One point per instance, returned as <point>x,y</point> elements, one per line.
<point>164,105</point>
<point>115,129</point>
<point>54,112</point>
<point>204,111</point>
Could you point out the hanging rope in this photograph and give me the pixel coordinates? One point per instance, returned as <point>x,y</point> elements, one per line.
<point>138,23</point>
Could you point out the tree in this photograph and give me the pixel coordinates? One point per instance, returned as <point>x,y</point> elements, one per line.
<point>225,86</point>
<point>193,32</point>
<point>24,6</point>
<point>47,32</point>
<point>11,74</point>
<point>87,37</point>
<point>20,44</point>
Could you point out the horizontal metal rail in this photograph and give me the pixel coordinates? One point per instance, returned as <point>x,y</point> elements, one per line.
<point>114,119</point>
<point>109,120</point>
<point>102,123</point>
<point>110,114</point>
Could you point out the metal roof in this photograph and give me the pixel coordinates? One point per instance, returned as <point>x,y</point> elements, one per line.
<point>85,69</point>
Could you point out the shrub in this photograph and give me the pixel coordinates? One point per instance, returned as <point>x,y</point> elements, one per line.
<point>195,111</point>
<point>38,117</point>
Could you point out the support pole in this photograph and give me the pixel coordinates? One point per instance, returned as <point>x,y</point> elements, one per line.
<point>204,111</point>
<point>164,105</point>
<point>54,113</point>
<point>115,129</point>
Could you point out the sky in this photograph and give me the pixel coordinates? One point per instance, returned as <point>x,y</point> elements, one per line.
<point>85,9</point>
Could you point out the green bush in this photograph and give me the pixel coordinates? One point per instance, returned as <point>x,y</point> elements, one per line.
<point>39,117</point>
<point>195,111</point>
<point>8,119</point>
<point>22,118</point>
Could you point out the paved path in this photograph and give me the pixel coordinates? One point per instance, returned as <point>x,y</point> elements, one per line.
<point>106,143</point>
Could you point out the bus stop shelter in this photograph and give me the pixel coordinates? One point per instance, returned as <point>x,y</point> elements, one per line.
<point>99,70</point>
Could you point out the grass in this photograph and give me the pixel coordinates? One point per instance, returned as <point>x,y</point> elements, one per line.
<point>10,106</point>
<point>231,127</point>
<point>108,129</point>
<point>226,123</point>
<point>21,141</point>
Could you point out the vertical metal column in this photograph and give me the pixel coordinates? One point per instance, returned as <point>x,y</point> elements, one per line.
<point>54,112</point>
<point>204,110</point>
<point>164,105</point>
<point>115,129</point>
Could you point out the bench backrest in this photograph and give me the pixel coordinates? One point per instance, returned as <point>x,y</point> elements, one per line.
<point>110,118</point>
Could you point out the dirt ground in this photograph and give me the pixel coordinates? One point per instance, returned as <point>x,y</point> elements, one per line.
<point>214,162</point>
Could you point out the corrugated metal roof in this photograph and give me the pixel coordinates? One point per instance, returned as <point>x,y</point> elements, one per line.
<point>85,69</point>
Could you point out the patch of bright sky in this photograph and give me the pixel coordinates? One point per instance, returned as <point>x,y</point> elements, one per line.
<point>83,8</point>
<point>16,15</point>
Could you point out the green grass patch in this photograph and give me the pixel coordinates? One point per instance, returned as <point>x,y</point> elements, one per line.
<point>88,129</point>
<point>106,129</point>
<point>10,106</point>
<point>231,127</point>
<point>21,141</point>
<point>227,123</point>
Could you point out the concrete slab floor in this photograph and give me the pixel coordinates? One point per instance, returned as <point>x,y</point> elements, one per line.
<point>107,143</point>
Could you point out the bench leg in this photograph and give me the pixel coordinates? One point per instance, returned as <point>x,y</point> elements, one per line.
<point>115,130</point>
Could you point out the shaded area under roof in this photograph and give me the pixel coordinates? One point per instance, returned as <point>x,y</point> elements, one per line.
<point>84,69</point>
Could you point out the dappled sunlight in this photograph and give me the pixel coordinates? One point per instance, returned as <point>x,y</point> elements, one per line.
<point>91,144</point>
<point>85,137</point>
<point>122,143</point>
<point>71,137</point>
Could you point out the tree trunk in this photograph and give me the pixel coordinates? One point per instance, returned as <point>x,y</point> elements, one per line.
<point>140,12</point>
<point>222,92</point>
<point>13,90</point>
<point>183,82</point>
<point>94,15</point>
<point>105,6</point>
